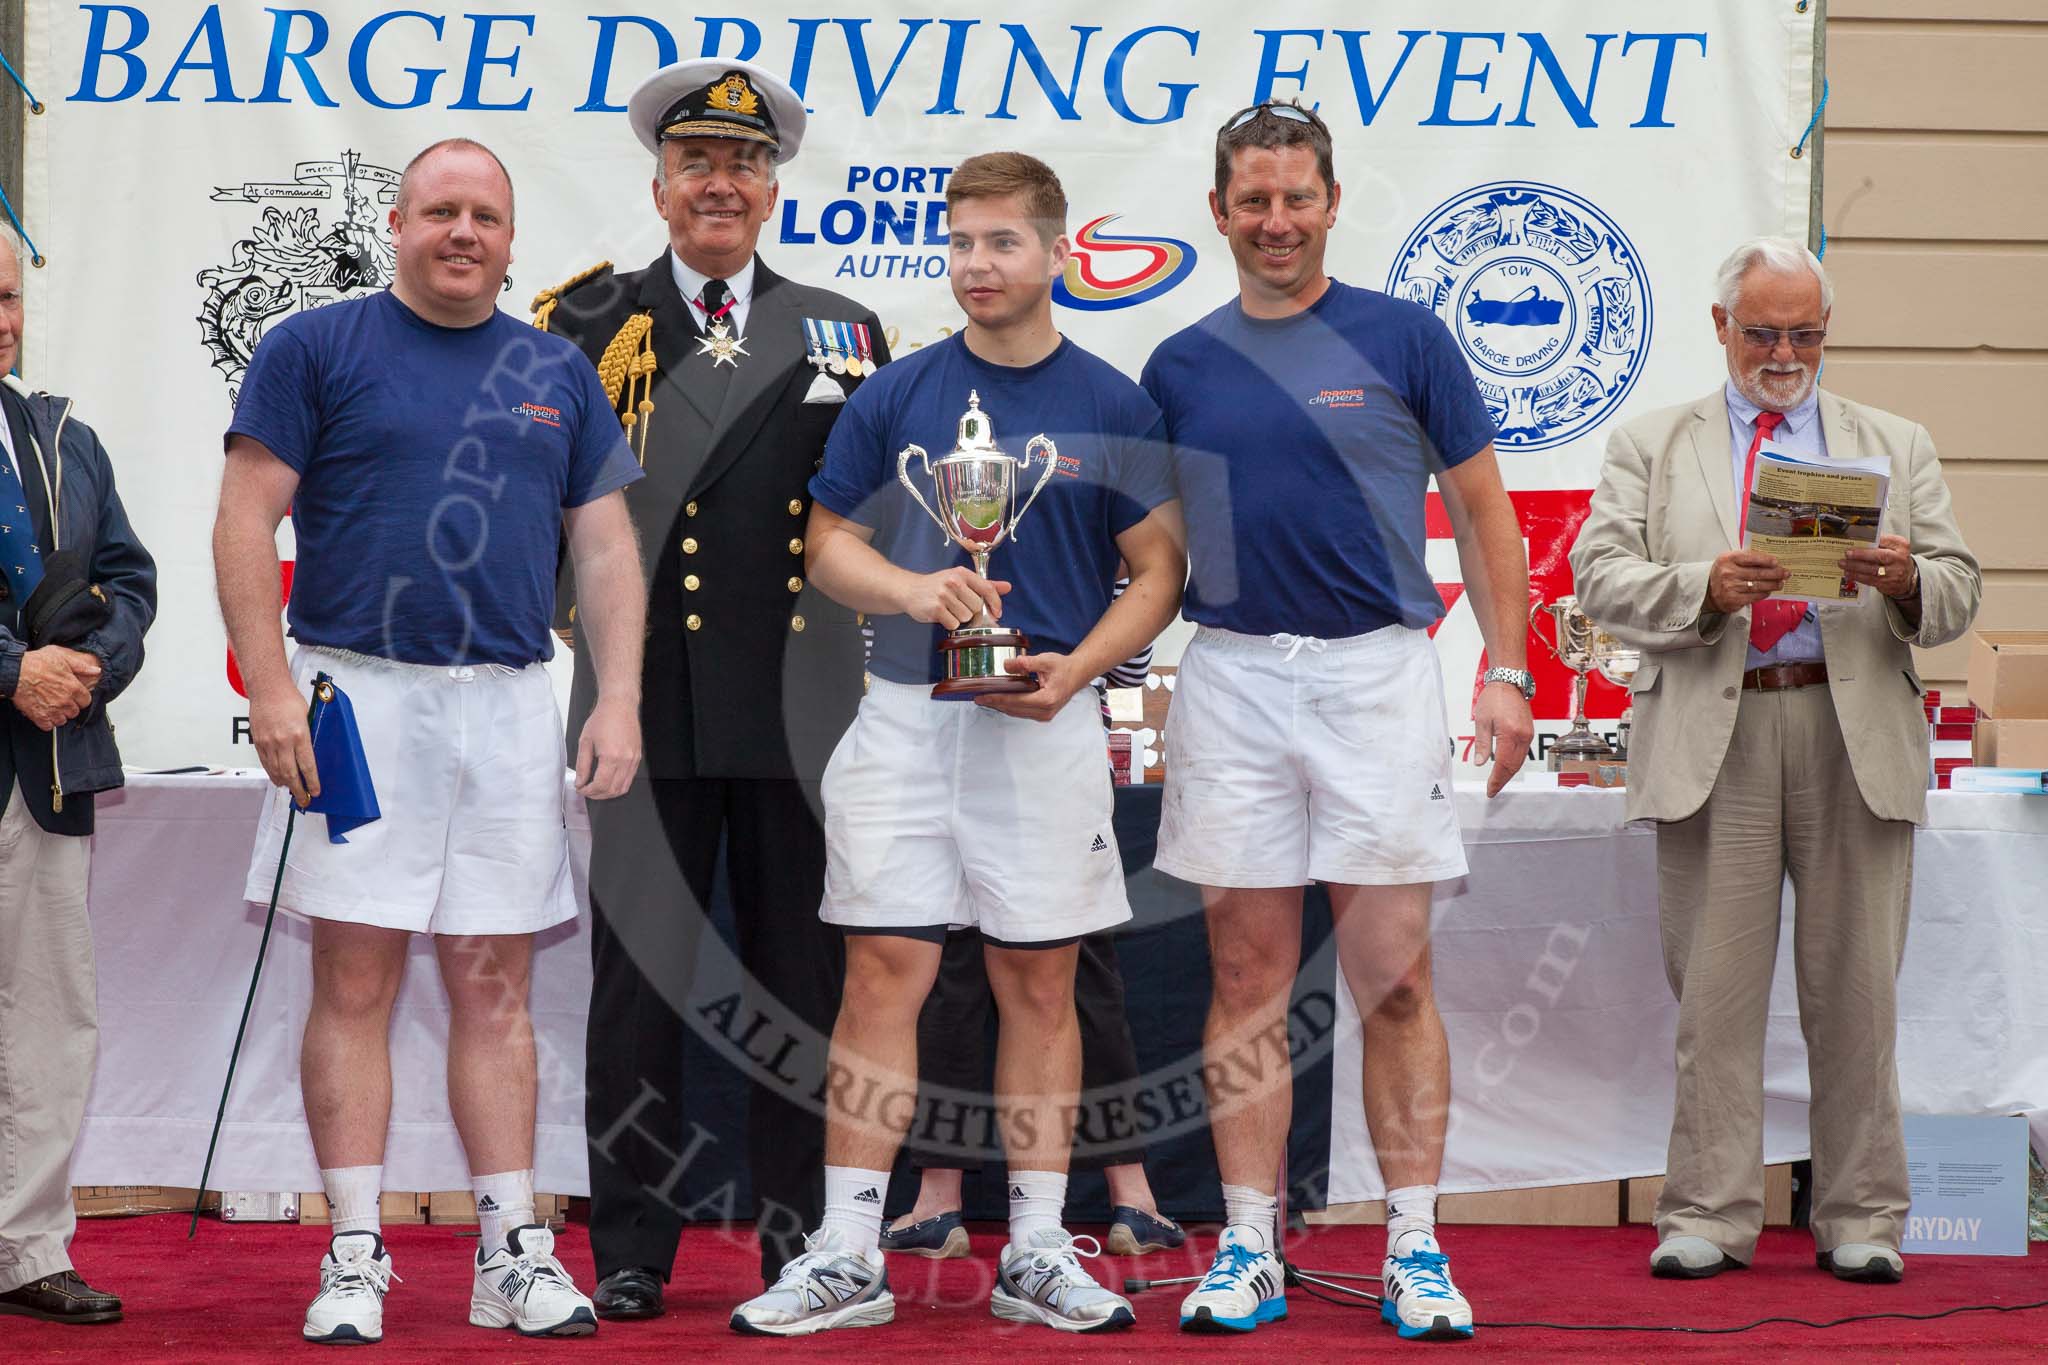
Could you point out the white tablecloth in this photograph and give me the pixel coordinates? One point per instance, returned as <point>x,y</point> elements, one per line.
<point>1547,967</point>
<point>1550,975</point>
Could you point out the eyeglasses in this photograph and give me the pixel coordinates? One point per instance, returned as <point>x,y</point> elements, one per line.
<point>1764,338</point>
<point>1286,111</point>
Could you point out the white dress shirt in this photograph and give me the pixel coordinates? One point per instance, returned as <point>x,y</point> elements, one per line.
<point>740,284</point>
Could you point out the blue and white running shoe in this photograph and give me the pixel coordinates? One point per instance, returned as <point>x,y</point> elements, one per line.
<point>1420,1302</point>
<point>1245,1286</point>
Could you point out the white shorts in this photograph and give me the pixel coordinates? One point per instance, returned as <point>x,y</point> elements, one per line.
<point>947,813</point>
<point>1291,760</point>
<point>469,770</point>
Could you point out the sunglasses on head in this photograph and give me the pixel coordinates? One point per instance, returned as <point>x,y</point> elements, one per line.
<point>1286,111</point>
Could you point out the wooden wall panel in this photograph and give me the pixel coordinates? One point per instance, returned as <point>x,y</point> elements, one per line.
<point>1961,76</point>
<point>1936,207</point>
<point>1935,185</point>
<point>1978,405</point>
<point>1991,11</point>
<point>2013,600</point>
<point>1941,295</point>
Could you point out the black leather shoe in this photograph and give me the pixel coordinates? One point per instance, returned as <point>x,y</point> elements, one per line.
<point>62,1297</point>
<point>625,1295</point>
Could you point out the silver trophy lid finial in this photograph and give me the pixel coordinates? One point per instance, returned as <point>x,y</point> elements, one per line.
<point>976,431</point>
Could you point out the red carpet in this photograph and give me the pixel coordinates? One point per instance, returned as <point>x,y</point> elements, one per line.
<point>240,1291</point>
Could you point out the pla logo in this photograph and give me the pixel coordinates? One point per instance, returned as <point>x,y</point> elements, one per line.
<point>1545,295</point>
<point>296,256</point>
<point>1108,272</point>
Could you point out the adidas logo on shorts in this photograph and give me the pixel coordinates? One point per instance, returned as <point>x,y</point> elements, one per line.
<point>1099,845</point>
<point>868,1196</point>
<point>486,1205</point>
<point>1017,1192</point>
<point>1436,791</point>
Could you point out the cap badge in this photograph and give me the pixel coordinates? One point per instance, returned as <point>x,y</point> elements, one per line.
<point>732,94</point>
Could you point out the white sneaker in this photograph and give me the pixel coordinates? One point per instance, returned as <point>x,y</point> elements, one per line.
<point>349,1309</point>
<point>1419,1300</point>
<point>1245,1286</point>
<point>523,1286</point>
<point>1045,1283</point>
<point>829,1285</point>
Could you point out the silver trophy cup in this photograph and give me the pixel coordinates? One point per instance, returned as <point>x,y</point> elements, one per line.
<point>1618,663</point>
<point>975,487</point>
<point>1571,640</point>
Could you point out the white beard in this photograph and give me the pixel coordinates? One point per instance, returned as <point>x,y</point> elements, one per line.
<point>1780,391</point>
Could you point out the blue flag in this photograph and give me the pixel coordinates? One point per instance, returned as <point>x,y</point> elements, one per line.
<point>348,797</point>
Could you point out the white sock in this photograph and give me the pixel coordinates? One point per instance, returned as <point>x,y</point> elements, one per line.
<point>1411,1218</point>
<point>1251,1212</point>
<point>352,1195</point>
<point>1038,1199</point>
<point>503,1202</point>
<point>853,1208</point>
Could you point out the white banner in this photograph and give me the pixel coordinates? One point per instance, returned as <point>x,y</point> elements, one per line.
<point>1574,170</point>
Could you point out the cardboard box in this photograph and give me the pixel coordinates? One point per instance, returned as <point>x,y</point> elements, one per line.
<point>2010,744</point>
<point>459,1207</point>
<point>2009,674</point>
<point>396,1206</point>
<point>119,1201</point>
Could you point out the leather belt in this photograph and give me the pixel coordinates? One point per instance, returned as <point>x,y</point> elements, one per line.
<point>1775,676</point>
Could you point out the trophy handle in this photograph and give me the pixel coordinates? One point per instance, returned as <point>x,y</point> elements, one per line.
<point>1052,462</point>
<point>1540,608</point>
<point>903,477</point>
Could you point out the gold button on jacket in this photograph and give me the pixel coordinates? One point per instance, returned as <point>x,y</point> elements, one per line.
<point>796,545</point>
<point>689,545</point>
<point>691,582</point>
<point>694,621</point>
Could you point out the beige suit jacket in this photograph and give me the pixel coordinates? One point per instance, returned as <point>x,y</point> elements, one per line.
<point>1665,509</point>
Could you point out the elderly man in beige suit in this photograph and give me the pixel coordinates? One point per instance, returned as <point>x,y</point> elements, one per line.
<point>1775,737</point>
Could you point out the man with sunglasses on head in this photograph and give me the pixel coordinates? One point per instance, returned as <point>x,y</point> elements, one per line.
<point>1776,735</point>
<point>1309,740</point>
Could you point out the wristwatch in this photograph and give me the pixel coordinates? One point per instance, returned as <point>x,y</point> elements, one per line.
<point>1520,679</point>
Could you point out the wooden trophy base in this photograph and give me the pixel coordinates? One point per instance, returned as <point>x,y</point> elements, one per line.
<point>975,659</point>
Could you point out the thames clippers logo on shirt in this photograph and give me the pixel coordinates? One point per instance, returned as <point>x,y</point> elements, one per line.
<point>539,412</point>
<point>1545,295</point>
<point>1107,271</point>
<point>1338,398</point>
<point>321,237</point>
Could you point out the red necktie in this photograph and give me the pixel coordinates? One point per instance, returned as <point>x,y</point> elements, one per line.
<point>1769,621</point>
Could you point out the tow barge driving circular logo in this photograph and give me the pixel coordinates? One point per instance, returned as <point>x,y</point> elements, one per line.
<point>1546,297</point>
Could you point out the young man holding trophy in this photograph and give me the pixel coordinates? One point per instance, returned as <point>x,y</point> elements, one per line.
<point>985,799</point>
<point>1308,739</point>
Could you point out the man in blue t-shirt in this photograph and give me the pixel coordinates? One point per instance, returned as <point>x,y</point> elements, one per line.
<point>430,451</point>
<point>994,812</point>
<point>1308,739</point>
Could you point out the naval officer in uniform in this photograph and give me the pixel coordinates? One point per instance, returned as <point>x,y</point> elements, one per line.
<point>728,378</point>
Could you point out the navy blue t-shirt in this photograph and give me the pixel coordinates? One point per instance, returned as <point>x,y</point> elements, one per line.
<point>1112,470</point>
<point>434,464</point>
<point>1303,448</point>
